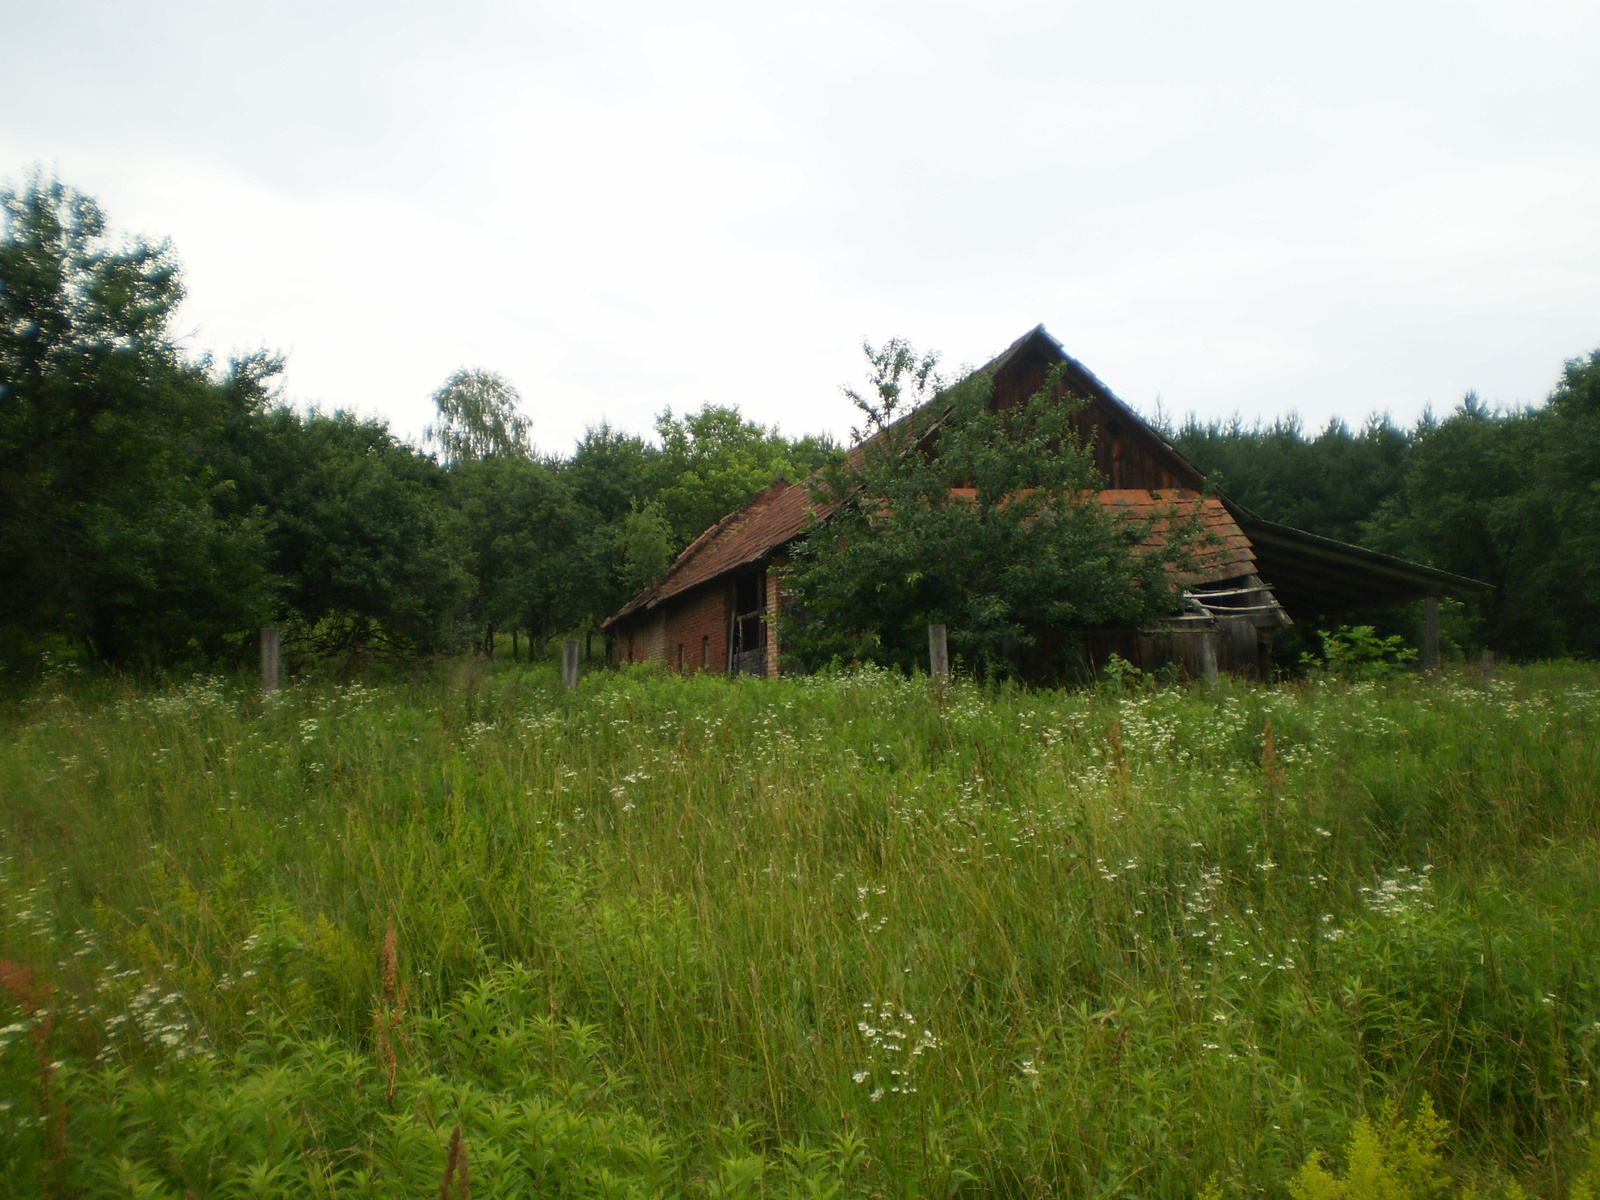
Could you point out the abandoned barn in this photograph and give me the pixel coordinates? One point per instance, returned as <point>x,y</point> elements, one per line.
<point>717,608</point>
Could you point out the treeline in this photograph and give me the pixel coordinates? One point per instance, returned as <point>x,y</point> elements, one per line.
<point>1509,497</point>
<point>155,510</point>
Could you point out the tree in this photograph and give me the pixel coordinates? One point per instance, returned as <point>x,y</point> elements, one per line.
<point>984,520</point>
<point>1330,484</point>
<point>360,536</point>
<point>114,531</point>
<point>479,418</point>
<point>530,548</point>
<point>1470,504</point>
<point>714,460</point>
<point>610,472</point>
<point>899,381</point>
<point>1572,497</point>
<point>647,548</point>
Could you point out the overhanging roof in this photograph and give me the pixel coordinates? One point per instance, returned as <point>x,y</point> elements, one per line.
<point>1314,574</point>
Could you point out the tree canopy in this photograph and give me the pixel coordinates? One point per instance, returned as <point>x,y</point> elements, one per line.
<point>480,417</point>
<point>959,513</point>
<point>713,460</point>
<point>110,536</point>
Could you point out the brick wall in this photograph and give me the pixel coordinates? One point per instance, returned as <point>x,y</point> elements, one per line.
<point>774,607</point>
<point>698,622</point>
<point>642,638</point>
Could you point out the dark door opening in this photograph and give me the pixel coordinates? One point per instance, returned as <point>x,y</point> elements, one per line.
<point>747,633</point>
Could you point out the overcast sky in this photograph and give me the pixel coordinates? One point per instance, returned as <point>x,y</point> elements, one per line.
<point>1259,208</point>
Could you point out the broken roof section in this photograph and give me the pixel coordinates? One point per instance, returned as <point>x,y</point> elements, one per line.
<point>1223,552</point>
<point>744,536</point>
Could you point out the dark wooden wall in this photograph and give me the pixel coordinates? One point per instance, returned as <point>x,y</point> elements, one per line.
<point>1127,452</point>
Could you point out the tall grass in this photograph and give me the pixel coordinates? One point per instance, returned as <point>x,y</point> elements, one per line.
<point>834,936</point>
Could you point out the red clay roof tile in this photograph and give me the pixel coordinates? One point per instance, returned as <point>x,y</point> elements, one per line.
<point>785,509</point>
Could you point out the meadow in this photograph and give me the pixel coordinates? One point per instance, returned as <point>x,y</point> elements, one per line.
<point>464,933</point>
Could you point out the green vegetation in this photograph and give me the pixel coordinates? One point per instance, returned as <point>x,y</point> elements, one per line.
<point>114,534</point>
<point>1505,496</point>
<point>984,520</point>
<point>839,936</point>
<point>155,511</point>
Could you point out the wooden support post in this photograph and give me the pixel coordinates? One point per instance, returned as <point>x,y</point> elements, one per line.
<point>271,644</point>
<point>1430,635</point>
<point>569,664</point>
<point>1488,667</point>
<point>1208,659</point>
<point>938,654</point>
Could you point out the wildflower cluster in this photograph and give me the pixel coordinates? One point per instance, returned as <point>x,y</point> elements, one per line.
<point>1198,917</point>
<point>1403,894</point>
<point>157,1019</point>
<point>864,917</point>
<point>894,1044</point>
<point>201,694</point>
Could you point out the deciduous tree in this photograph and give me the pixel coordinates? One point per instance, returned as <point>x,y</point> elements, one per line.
<point>980,519</point>
<point>479,417</point>
<point>110,536</point>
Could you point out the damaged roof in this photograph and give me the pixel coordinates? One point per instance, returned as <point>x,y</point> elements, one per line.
<point>744,536</point>
<point>1222,552</point>
<point>784,510</point>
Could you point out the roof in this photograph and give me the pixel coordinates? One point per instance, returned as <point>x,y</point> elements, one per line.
<point>1314,574</point>
<point>1083,382</point>
<point>1223,552</point>
<point>744,536</point>
<point>785,509</point>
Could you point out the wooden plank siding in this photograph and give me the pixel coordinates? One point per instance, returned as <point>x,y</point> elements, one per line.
<point>1127,453</point>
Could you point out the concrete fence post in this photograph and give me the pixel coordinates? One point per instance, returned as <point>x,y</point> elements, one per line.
<point>1430,635</point>
<point>1208,660</point>
<point>938,654</point>
<point>569,664</point>
<point>271,645</point>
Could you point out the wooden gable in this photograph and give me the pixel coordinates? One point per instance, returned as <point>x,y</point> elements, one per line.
<point>1127,451</point>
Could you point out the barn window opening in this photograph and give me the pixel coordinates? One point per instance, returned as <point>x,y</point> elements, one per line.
<point>705,652</point>
<point>680,658</point>
<point>747,641</point>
